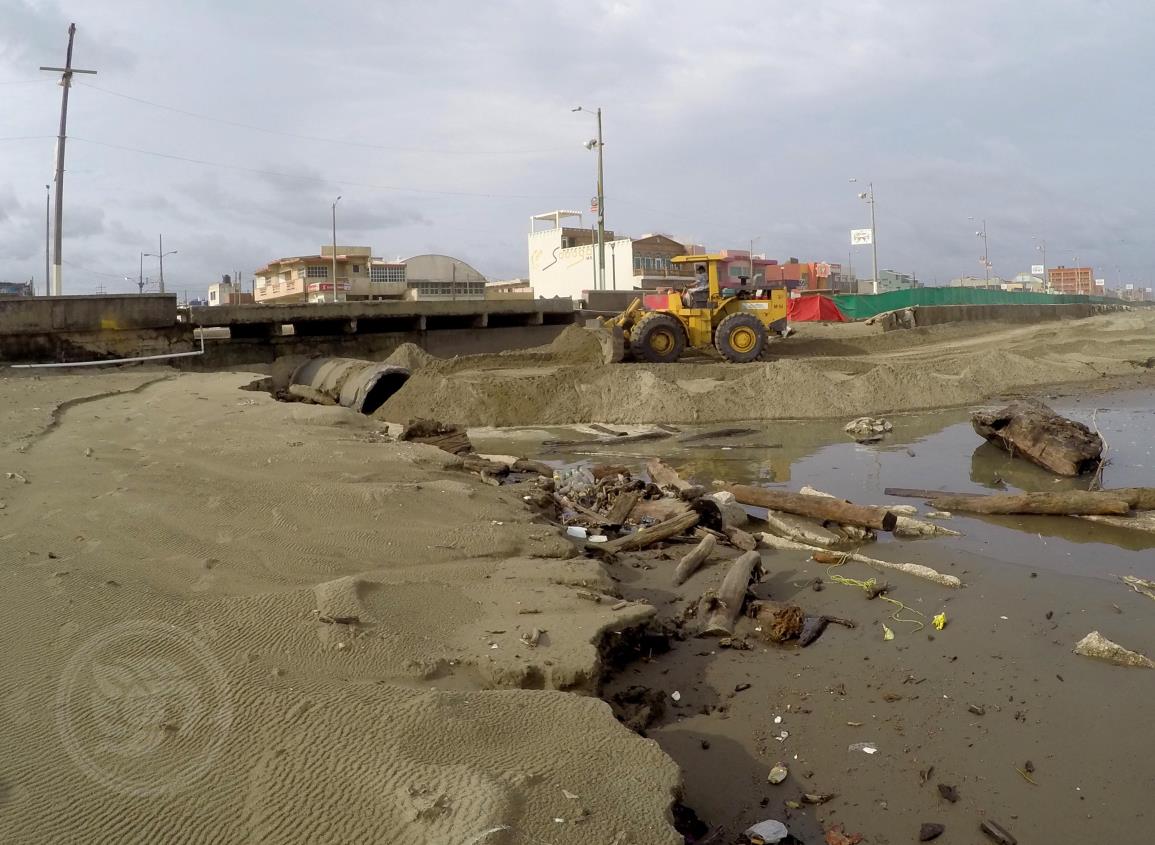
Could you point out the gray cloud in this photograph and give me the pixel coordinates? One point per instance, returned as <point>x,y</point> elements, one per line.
<point>723,124</point>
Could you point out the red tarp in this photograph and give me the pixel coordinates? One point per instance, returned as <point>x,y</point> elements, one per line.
<point>812,308</point>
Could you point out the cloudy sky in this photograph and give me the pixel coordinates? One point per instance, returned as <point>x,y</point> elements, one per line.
<point>230,125</point>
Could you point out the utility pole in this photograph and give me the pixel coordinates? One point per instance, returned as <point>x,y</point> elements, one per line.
<point>65,83</point>
<point>160,253</point>
<point>47,240</point>
<point>140,281</point>
<point>868,195</point>
<point>335,247</point>
<point>873,237</point>
<point>982,233</point>
<point>589,145</point>
<point>601,208</point>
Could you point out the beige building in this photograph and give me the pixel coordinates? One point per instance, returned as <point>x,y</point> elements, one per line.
<point>228,292</point>
<point>309,278</point>
<point>361,276</point>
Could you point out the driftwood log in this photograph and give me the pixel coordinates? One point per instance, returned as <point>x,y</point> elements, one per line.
<point>740,539</point>
<point>1032,430</point>
<point>1068,502</point>
<point>1139,498</point>
<point>689,564</point>
<point>916,569</point>
<point>665,476</point>
<point>648,536</point>
<point>726,604</point>
<point>815,507</point>
<point>527,465</point>
<point>622,507</point>
<point>1140,521</point>
<point>659,509</point>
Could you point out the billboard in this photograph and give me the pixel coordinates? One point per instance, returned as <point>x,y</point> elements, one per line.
<point>1100,283</point>
<point>1038,269</point>
<point>1130,287</point>
<point>861,237</point>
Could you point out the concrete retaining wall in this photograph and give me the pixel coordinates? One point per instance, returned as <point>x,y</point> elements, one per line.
<point>42,314</point>
<point>933,315</point>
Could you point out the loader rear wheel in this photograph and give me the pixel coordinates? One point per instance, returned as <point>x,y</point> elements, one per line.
<point>658,338</point>
<point>740,338</point>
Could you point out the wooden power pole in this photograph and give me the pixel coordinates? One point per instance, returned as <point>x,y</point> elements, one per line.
<point>66,72</point>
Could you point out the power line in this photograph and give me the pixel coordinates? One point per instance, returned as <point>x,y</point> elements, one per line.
<point>304,178</point>
<point>120,276</point>
<point>27,137</point>
<point>364,144</point>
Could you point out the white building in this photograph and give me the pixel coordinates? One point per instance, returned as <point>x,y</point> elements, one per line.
<point>563,259</point>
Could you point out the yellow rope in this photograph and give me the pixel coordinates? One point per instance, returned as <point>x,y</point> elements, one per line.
<point>867,586</point>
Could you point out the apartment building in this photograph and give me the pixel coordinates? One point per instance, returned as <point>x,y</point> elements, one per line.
<point>309,278</point>
<point>1071,280</point>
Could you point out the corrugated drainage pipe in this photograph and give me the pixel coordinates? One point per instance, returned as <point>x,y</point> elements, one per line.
<point>363,386</point>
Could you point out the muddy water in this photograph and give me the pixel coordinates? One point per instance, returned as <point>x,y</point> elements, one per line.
<point>1033,587</point>
<point>937,451</point>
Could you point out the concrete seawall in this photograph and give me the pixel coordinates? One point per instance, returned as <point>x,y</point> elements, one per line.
<point>88,328</point>
<point>934,315</point>
<point>93,328</point>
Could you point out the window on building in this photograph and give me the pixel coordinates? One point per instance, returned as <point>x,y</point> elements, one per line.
<point>356,268</point>
<point>384,273</point>
<point>317,271</point>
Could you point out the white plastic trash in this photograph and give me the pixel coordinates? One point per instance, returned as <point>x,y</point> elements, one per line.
<point>576,531</point>
<point>769,831</point>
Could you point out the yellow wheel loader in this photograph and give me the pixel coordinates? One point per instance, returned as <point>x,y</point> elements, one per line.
<point>739,319</point>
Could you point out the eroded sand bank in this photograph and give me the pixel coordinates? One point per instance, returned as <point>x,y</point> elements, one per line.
<point>229,619</point>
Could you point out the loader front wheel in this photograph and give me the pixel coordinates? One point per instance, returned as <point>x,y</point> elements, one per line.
<point>658,338</point>
<point>740,338</point>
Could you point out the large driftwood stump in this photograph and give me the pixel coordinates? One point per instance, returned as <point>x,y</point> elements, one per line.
<point>1032,430</point>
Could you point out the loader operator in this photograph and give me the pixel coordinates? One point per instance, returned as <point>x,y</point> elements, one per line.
<point>698,295</point>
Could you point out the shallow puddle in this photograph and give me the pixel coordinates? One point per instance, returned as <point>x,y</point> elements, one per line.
<point>933,450</point>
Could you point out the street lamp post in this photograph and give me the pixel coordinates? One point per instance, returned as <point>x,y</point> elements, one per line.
<point>868,195</point>
<point>982,233</point>
<point>335,247</point>
<point>140,280</point>
<point>159,255</point>
<point>589,145</point>
<point>1041,246</point>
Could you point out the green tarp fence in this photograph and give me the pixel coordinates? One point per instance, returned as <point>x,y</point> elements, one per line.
<point>863,306</point>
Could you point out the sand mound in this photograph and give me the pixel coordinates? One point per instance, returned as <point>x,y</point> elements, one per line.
<point>947,367</point>
<point>411,356</point>
<point>576,345</point>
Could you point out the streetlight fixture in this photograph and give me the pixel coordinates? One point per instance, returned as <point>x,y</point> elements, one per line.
<point>596,143</point>
<point>982,233</point>
<point>1041,246</point>
<point>335,247</point>
<point>868,196</point>
<point>159,254</point>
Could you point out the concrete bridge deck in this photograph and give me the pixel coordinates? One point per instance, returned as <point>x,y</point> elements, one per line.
<point>344,318</point>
